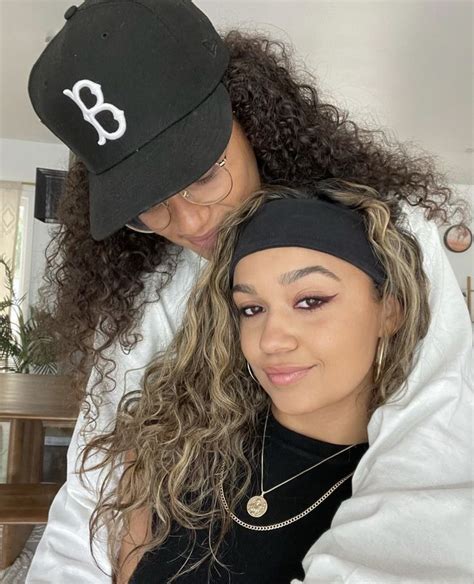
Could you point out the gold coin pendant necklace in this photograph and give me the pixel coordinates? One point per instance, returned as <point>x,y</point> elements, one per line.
<point>257,505</point>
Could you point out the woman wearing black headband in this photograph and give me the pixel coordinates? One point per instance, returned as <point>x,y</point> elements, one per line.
<point>173,126</point>
<point>245,438</point>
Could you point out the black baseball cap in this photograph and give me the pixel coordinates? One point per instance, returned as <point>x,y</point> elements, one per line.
<point>133,88</point>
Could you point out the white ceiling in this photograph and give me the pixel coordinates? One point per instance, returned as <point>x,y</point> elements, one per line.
<point>404,65</point>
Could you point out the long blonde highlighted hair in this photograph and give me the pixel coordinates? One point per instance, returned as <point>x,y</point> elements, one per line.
<point>195,422</point>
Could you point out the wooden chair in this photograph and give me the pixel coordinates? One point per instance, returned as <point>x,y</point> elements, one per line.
<point>29,403</point>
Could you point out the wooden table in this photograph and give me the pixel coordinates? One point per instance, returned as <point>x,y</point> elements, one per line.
<point>36,397</point>
<point>29,402</point>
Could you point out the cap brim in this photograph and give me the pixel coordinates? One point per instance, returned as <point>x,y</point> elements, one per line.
<point>161,168</point>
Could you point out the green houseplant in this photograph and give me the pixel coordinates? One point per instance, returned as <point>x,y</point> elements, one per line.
<point>25,346</point>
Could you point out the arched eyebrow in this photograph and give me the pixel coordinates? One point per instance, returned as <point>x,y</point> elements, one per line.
<point>289,278</point>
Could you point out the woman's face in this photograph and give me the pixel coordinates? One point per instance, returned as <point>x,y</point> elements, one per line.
<point>309,325</point>
<point>194,226</point>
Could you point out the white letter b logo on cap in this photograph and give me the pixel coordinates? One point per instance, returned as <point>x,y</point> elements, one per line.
<point>90,114</point>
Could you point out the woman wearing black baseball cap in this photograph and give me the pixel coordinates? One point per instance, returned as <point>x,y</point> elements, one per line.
<point>173,126</point>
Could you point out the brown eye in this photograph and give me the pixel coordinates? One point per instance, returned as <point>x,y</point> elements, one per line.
<point>313,302</point>
<point>249,311</point>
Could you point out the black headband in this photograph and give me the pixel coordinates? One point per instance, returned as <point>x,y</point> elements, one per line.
<point>313,224</point>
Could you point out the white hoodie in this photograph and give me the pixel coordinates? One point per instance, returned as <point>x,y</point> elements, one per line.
<point>409,519</point>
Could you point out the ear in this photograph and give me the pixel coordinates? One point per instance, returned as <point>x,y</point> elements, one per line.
<point>391,318</point>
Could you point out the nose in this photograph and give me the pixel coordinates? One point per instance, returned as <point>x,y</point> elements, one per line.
<point>188,219</point>
<point>276,334</point>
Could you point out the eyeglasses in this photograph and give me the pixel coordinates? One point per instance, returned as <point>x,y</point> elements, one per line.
<point>213,187</point>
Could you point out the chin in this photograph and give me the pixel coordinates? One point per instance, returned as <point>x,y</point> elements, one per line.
<point>295,407</point>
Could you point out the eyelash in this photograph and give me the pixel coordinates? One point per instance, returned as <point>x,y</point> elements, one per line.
<point>205,179</point>
<point>321,301</point>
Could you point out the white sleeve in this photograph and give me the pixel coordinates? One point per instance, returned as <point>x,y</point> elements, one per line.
<point>410,516</point>
<point>63,555</point>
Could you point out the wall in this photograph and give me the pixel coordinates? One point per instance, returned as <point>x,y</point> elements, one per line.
<point>18,162</point>
<point>19,158</point>
<point>463,263</point>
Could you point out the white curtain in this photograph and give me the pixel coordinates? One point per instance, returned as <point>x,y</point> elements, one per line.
<point>10,196</point>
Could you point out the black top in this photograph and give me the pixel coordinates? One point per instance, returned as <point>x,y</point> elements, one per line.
<point>266,557</point>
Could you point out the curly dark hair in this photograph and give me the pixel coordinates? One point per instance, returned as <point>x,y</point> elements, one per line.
<point>298,140</point>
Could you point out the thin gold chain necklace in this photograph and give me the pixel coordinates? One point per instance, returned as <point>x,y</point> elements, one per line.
<point>273,526</point>
<point>257,505</point>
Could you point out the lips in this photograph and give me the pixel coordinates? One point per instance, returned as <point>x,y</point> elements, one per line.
<point>207,240</point>
<point>285,375</point>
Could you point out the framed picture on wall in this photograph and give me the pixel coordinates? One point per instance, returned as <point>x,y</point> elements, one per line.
<point>458,238</point>
<point>49,187</point>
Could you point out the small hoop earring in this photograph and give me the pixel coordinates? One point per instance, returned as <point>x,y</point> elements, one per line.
<point>379,357</point>
<point>249,369</point>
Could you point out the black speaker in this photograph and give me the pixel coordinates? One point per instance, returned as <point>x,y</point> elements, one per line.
<point>49,187</point>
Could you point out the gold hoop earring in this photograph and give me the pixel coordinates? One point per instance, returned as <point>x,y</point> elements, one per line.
<point>249,369</point>
<point>379,357</point>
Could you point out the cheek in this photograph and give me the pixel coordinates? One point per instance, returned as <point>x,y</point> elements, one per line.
<point>246,180</point>
<point>347,347</point>
<point>248,342</point>
<point>250,182</point>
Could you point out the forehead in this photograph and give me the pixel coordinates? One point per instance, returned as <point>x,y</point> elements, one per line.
<point>270,264</point>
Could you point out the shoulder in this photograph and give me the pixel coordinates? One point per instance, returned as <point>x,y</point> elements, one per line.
<point>164,300</point>
<point>428,237</point>
<point>414,219</point>
<point>166,293</point>
<point>166,282</point>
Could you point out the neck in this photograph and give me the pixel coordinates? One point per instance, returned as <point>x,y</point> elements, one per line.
<point>342,423</point>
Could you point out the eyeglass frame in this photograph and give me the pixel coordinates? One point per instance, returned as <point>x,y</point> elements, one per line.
<point>185,194</point>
